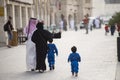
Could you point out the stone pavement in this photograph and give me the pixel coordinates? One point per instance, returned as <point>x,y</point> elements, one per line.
<point>2,44</point>
<point>98,53</point>
<point>118,71</point>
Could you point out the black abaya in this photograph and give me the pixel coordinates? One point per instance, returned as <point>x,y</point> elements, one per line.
<point>40,38</point>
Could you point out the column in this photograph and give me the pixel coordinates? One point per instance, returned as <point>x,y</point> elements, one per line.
<point>23,16</point>
<point>13,16</point>
<point>20,16</point>
<point>17,16</point>
<point>29,12</point>
<point>26,9</point>
<point>3,19</point>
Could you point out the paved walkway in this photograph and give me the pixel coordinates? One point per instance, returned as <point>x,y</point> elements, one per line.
<point>118,71</point>
<point>98,52</point>
<point>2,44</point>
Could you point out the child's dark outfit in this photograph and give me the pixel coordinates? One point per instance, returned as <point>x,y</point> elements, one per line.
<point>74,58</point>
<point>51,57</point>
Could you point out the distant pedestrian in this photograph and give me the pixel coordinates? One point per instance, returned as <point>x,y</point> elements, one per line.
<point>97,23</point>
<point>74,58</point>
<point>90,24</point>
<point>72,24</point>
<point>86,21</point>
<point>106,29</point>
<point>30,46</point>
<point>64,24</point>
<point>8,27</point>
<point>94,26</point>
<point>61,25</point>
<point>40,38</point>
<point>112,29</point>
<point>52,49</point>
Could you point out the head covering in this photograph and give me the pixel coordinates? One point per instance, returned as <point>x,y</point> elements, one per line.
<point>31,25</point>
<point>40,25</point>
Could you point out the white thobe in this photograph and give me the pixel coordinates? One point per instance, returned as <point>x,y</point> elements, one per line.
<point>30,54</point>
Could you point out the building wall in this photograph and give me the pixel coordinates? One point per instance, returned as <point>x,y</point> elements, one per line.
<point>48,10</point>
<point>80,10</point>
<point>110,9</point>
<point>87,7</point>
<point>71,9</point>
<point>19,12</point>
<point>106,8</point>
<point>24,1</point>
<point>42,10</point>
<point>98,8</point>
<point>2,21</point>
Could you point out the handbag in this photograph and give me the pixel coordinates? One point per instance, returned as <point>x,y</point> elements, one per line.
<point>57,35</point>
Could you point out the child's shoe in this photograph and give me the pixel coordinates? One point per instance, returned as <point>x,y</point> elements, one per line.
<point>50,68</point>
<point>53,67</point>
<point>76,74</point>
<point>72,73</point>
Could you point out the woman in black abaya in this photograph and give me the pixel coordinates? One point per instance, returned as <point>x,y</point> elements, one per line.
<point>40,38</point>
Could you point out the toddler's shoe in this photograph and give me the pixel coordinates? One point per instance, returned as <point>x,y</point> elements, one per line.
<point>53,67</point>
<point>50,68</point>
<point>76,74</point>
<point>72,73</point>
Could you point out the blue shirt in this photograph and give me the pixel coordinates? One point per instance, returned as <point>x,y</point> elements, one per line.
<point>74,57</point>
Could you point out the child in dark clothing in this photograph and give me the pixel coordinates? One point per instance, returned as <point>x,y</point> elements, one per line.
<point>74,58</point>
<point>51,51</point>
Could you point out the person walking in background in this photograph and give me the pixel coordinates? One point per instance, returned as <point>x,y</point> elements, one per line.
<point>30,46</point>
<point>112,29</point>
<point>40,38</point>
<point>106,29</point>
<point>72,24</point>
<point>94,26</point>
<point>90,24</point>
<point>74,58</point>
<point>8,27</point>
<point>64,25</point>
<point>61,25</point>
<point>52,49</point>
<point>86,21</point>
<point>97,23</point>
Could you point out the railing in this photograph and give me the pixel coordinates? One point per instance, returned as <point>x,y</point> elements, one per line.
<point>21,36</point>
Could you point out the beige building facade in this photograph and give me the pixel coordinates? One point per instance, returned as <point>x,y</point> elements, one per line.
<point>51,11</point>
<point>69,9</point>
<point>19,10</point>
<point>87,7</point>
<point>106,9</point>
